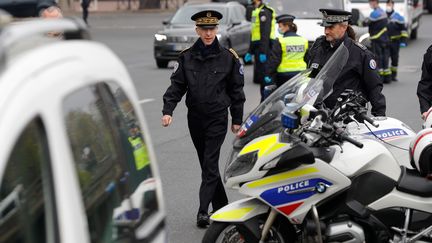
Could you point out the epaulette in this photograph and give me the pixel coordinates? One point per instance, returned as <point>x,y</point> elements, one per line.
<point>363,47</point>
<point>234,53</point>
<point>184,50</point>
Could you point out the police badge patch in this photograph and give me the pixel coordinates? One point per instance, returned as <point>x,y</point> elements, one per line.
<point>372,64</point>
<point>175,67</point>
<point>263,18</point>
<point>241,70</point>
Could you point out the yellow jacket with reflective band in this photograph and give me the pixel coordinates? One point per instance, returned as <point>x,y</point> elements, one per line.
<point>293,51</point>
<point>256,23</point>
<point>140,152</point>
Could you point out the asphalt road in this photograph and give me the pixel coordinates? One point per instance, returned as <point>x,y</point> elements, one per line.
<point>130,35</point>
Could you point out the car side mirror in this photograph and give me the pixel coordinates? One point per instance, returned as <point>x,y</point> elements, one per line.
<point>355,16</point>
<point>249,10</point>
<point>166,21</point>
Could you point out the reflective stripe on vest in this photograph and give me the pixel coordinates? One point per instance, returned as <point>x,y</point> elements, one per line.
<point>140,153</point>
<point>293,51</point>
<point>255,30</point>
<point>379,34</point>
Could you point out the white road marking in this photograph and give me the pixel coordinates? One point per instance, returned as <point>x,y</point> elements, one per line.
<point>145,101</point>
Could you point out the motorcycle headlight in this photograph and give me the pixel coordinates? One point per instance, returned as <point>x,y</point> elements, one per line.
<point>160,37</point>
<point>241,165</point>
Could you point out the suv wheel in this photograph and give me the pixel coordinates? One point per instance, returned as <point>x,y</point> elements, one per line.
<point>161,63</point>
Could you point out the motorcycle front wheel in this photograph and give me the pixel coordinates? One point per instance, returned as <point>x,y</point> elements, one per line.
<point>219,232</point>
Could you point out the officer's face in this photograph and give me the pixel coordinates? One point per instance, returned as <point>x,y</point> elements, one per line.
<point>207,35</point>
<point>335,32</point>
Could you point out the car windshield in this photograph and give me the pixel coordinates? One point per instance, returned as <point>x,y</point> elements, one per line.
<point>183,15</point>
<point>308,9</point>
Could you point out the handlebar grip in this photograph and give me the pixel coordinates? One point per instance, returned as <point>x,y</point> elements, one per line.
<point>368,119</point>
<point>350,140</point>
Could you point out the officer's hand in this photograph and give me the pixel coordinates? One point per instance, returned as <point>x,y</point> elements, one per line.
<point>403,44</point>
<point>267,80</point>
<point>248,57</point>
<point>166,120</point>
<point>235,128</point>
<point>52,12</point>
<point>263,58</point>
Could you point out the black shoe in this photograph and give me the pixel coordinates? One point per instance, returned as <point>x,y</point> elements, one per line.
<point>202,220</point>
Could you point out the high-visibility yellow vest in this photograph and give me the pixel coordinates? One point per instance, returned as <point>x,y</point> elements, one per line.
<point>140,152</point>
<point>255,31</point>
<point>293,51</point>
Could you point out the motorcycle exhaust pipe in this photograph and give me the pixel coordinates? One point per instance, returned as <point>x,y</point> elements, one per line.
<point>317,223</point>
<point>269,222</point>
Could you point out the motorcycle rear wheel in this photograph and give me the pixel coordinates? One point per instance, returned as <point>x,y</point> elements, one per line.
<point>219,232</point>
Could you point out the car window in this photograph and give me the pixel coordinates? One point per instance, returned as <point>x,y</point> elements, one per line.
<point>183,15</point>
<point>308,9</point>
<point>112,162</point>
<point>26,193</point>
<point>238,14</point>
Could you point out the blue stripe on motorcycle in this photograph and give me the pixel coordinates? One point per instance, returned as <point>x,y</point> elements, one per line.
<point>292,192</point>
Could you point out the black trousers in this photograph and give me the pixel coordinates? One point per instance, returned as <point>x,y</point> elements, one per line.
<point>85,5</point>
<point>208,134</point>
<point>394,53</point>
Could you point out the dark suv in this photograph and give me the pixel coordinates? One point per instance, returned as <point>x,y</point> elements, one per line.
<point>179,32</point>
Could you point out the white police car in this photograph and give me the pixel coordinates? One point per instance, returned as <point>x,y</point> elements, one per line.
<point>76,161</point>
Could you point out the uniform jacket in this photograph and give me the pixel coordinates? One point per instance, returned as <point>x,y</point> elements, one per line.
<point>29,8</point>
<point>396,27</point>
<point>276,55</point>
<point>377,23</point>
<point>359,73</point>
<point>211,77</point>
<point>266,18</point>
<point>424,88</point>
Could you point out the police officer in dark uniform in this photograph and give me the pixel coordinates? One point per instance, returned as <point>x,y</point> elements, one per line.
<point>262,38</point>
<point>380,40</point>
<point>288,52</point>
<point>398,36</point>
<point>212,77</point>
<point>359,73</point>
<point>424,88</point>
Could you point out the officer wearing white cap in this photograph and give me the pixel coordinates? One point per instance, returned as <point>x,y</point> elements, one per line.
<point>287,57</point>
<point>360,71</point>
<point>212,78</point>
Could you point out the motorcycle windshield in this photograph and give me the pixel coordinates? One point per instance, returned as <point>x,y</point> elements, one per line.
<point>301,89</point>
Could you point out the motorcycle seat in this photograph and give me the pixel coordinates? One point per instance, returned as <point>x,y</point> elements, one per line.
<point>413,183</point>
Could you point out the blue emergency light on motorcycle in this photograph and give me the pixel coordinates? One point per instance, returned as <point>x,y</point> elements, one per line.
<point>288,117</point>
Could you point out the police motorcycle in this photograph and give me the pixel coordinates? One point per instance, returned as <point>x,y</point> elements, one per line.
<point>264,119</point>
<point>314,183</point>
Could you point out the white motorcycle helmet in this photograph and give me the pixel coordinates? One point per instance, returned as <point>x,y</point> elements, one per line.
<point>421,152</point>
<point>428,119</point>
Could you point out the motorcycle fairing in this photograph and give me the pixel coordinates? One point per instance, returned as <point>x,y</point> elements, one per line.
<point>320,174</point>
<point>240,211</point>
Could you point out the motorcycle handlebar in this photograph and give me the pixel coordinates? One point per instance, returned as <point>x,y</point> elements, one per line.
<point>350,140</point>
<point>368,119</point>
